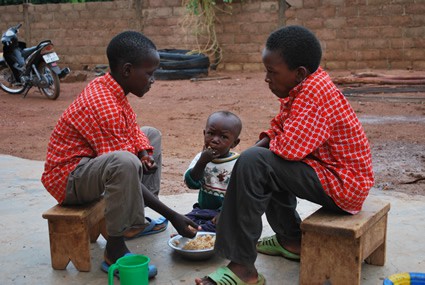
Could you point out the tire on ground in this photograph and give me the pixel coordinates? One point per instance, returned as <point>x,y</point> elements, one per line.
<point>178,64</point>
<point>198,62</point>
<point>176,74</point>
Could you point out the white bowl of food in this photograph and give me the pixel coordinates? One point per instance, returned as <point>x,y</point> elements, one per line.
<point>200,247</point>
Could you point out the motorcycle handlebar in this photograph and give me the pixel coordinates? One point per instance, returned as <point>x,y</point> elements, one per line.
<point>16,28</point>
<point>7,38</point>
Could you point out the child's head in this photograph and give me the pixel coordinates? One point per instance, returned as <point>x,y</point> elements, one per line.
<point>291,54</point>
<point>133,58</point>
<point>222,132</point>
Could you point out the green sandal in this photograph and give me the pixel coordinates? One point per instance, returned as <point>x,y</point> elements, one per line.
<point>224,276</point>
<point>270,246</point>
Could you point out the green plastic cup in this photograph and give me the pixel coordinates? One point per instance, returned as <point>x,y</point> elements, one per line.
<point>133,270</point>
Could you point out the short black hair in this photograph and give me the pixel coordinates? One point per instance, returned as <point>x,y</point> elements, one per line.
<point>238,122</point>
<point>297,46</point>
<point>128,46</point>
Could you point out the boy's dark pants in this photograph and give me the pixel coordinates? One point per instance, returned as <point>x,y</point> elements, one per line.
<point>263,182</point>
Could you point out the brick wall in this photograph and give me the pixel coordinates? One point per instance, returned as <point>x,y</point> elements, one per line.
<point>241,31</point>
<point>359,34</point>
<point>355,34</point>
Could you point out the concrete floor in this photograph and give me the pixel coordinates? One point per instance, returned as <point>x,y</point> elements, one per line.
<point>25,253</point>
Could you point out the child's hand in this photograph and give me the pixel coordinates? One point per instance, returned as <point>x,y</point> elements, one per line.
<point>208,154</point>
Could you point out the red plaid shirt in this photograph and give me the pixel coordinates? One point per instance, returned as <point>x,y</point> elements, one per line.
<point>99,121</point>
<point>317,125</point>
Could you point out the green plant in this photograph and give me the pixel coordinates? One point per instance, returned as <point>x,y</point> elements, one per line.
<point>201,19</point>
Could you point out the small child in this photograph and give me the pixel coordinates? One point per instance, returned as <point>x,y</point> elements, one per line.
<point>210,170</point>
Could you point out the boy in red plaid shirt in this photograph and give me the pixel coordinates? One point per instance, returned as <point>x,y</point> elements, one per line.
<point>97,149</point>
<point>315,149</point>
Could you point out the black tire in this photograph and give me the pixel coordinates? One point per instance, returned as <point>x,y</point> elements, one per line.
<point>178,74</point>
<point>52,89</point>
<point>178,54</point>
<point>178,64</point>
<point>167,56</point>
<point>197,62</point>
<point>8,83</point>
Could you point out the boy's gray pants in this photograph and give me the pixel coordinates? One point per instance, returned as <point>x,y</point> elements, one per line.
<point>262,182</point>
<point>119,177</point>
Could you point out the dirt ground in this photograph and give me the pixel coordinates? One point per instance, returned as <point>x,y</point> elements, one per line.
<point>393,118</point>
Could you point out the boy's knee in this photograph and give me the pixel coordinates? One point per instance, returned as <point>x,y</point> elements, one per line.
<point>125,159</point>
<point>254,154</point>
<point>151,131</point>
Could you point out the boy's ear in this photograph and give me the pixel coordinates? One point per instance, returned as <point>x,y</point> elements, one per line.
<point>236,142</point>
<point>126,70</point>
<point>302,73</point>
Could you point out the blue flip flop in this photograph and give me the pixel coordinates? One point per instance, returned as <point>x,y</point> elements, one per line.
<point>149,230</point>
<point>152,270</point>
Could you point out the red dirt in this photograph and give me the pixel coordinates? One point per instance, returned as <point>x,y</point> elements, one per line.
<point>394,123</point>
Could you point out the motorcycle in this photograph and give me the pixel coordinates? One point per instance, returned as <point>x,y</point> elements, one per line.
<point>21,68</point>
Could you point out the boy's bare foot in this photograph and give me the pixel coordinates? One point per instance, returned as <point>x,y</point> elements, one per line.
<point>273,245</point>
<point>293,246</point>
<point>151,227</point>
<point>135,231</point>
<point>204,281</point>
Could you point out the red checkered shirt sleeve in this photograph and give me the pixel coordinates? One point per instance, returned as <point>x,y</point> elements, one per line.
<point>109,124</point>
<point>316,125</point>
<point>99,121</point>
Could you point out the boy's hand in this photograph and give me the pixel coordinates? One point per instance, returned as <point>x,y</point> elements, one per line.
<point>215,219</point>
<point>149,165</point>
<point>185,226</point>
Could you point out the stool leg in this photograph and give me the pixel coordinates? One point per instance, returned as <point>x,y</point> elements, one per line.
<point>333,259</point>
<point>81,250</point>
<point>378,256</point>
<point>70,241</point>
<point>58,252</point>
<point>99,229</point>
<point>94,233</point>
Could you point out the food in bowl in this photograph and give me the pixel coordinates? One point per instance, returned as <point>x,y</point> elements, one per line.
<point>200,242</point>
<point>188,248</point>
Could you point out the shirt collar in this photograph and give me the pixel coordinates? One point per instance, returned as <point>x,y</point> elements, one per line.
<point>114,87</point>
<point>297,89</point>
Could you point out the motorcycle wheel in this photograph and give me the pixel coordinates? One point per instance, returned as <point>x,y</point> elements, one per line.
<point>8,83</point>
<point>52,91</point>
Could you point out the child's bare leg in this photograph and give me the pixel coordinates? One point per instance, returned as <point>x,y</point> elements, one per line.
<point>248,274</point>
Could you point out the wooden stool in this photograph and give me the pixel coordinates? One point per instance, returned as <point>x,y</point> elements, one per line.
<point>71,229</point>
<point>334,246</point>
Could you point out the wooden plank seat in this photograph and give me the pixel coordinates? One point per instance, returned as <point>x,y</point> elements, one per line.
<point>334,246</point>
<point>71,229</point>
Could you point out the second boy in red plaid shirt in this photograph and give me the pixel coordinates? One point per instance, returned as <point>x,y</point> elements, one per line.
<point>315,149</point>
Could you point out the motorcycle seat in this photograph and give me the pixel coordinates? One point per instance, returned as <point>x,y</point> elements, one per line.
<point>27,51</point>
